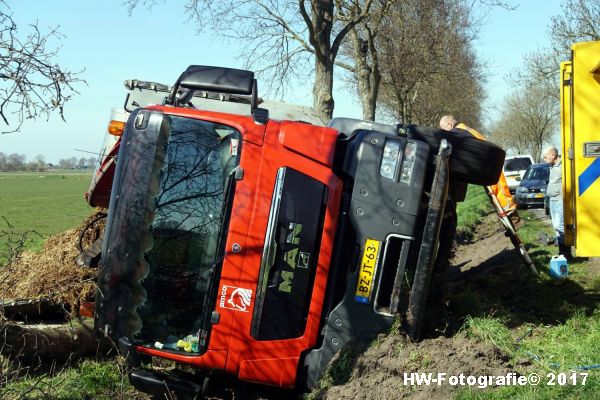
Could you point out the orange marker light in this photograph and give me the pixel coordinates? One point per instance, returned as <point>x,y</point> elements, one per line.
<point>116,128</point>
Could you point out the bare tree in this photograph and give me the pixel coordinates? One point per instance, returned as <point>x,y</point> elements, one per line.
<point>430,68</point>
<point>458,91</point>
<point>282,35</point>
<point>16,162</point>
<point>31,83</point>
<point>421,34</point>
<point>38,164</point>
<point>527,126</point>
<point>92,162</point>
<point>68,163</point>
<point>529,118</point>
<point>578,22</point>
<point>362,53</point>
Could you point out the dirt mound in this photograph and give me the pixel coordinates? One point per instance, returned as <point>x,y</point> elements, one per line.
<point>53,273</point>
<point>379,372</point>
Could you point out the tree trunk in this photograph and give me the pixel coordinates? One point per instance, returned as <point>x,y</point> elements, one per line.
<point>34,342</point>
<point>363,74</point>
<point>323,88</point>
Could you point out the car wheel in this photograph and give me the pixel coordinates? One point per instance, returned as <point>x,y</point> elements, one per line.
<point>546,209</point>
<point>472,160</point>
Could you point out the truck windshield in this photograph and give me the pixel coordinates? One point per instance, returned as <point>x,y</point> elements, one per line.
<point>185,246</point>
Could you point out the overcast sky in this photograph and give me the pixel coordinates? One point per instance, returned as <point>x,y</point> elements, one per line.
<point>158,44</point>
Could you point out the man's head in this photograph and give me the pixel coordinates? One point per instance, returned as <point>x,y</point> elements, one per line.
<point>448,122</point>
<point>550,155</point>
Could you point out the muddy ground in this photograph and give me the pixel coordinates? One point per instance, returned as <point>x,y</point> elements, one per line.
<point>379,371</point>
<point>486,278</point>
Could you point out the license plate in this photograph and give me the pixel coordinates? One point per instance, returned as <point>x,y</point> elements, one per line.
<point>539,195</point>
<point>368,268</point>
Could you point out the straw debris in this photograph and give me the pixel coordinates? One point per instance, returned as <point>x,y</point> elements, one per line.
<point>53,273</point>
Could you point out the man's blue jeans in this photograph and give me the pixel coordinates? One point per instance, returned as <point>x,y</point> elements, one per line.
<point>558,221</point>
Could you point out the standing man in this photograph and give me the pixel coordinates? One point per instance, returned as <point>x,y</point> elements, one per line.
<point>554,193</point>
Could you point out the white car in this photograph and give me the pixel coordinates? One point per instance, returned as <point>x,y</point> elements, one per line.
<point>514,169</point>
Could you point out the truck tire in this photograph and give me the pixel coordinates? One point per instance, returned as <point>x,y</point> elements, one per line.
<point>472,160</point>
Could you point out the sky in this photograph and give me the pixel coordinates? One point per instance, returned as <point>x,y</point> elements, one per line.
<point>157,44</point>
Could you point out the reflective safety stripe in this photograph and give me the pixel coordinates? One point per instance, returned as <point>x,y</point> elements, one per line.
<point>589,176</point>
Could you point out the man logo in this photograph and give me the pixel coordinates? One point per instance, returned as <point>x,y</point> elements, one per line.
<point>294,258</point>
<point>235,298</point>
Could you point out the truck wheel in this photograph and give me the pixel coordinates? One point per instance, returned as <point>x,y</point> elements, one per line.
<point>472,160</point>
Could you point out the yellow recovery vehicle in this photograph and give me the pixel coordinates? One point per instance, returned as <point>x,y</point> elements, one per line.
<point>580,130</point>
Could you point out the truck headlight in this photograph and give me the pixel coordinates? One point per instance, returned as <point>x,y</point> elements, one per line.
<point>389,161</point>
<point>408,163</point>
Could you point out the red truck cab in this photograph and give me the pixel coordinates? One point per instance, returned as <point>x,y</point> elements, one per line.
<point>260,247</point>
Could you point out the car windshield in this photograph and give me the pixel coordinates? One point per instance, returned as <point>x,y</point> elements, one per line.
<point>538,173</point>
<point>517,164</point>
<point>186,228</point>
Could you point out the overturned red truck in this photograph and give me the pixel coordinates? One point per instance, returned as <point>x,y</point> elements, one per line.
<point>244,237</point>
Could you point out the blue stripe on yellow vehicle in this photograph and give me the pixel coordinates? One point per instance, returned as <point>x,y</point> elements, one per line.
<point>589,176</point>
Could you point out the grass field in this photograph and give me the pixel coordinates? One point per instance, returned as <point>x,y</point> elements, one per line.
<point>46,203</point>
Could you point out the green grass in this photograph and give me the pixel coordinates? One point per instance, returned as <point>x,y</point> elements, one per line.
<point>558,321</point>
<point>567,348</point>
<point>470,211</point>
<point>101,380</point>
<point>49,203</point>
<point>489,330</point>
<point>46,203</point>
